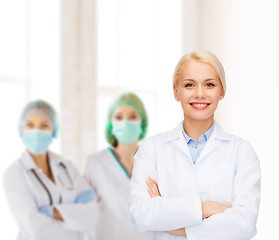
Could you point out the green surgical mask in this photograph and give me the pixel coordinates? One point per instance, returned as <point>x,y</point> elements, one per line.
<point>126,132</point>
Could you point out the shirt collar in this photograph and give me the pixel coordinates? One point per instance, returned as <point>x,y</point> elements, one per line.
<point>185,135</point>
<point>29,163</point>
<point>206,135</point>
<point>217,133</point>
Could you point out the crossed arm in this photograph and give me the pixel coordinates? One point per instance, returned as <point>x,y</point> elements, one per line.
<point>208,208</point>
<point>151,212</point>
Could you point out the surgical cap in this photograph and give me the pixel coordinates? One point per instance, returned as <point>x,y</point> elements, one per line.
<point>39,108</point>
<point>135,102</point>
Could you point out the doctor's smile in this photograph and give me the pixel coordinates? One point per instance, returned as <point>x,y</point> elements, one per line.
<point>199,89</point>
<point>199,105</point>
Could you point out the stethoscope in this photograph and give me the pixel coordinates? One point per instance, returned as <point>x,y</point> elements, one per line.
<point>45,187</point>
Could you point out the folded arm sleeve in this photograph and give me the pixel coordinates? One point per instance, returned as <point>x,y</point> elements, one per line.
<point>159,213</point>
<point>89,173</point>
<point>25,211</point>
<point>239,221</point>
<point>79,217</point>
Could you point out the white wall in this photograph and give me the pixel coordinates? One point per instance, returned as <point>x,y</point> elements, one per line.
<point>244,35</point>
<point>139,44</point>
<point>29,69</point>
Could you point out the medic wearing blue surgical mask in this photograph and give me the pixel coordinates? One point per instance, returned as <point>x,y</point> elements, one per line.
<point>37,135</point>
<point>109,170</point>
<point>47,196</point>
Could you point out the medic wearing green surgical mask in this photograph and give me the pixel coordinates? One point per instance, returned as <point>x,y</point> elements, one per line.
<point>127,120</point>
<point>109,170</point>
<point>125,131</point>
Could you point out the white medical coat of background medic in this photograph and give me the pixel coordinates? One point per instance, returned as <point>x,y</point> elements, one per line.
<point>25,194</point>
<point>111,184</point>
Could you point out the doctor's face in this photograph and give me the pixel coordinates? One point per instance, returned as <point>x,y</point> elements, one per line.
<point>126,125</point>
<point>199,90</point>
<point>125,112</point>
<point>38,123</point>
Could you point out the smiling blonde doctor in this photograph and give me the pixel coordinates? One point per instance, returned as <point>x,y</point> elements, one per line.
<point>47,196</point>
<point>196,182</point>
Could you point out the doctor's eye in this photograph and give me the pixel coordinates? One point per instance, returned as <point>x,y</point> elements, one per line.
<point>45,125</point>
<point>133,116</point>
<point>28,125</point>
<point>189,85</point>
<point>118,117</point>
<point>210,84</point>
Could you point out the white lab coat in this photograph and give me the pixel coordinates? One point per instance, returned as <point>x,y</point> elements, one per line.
<point>25,194</point>
<point>227,171</point>
<point>111,184</point>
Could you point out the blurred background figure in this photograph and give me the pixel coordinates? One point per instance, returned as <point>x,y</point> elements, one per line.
<point>109,170</point>
<point>46,195</point>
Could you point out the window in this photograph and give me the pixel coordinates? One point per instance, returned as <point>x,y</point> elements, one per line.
<point>29,69</point>
<point>139,44</point>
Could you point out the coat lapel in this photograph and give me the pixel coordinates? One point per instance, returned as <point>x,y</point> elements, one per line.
<point>209,147</point>
<point>182,145</point>
<point>176,138</point>
<point>213,142</point>
<point>27,161</point>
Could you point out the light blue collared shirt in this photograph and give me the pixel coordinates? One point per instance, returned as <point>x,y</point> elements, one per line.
<point>195,150</point>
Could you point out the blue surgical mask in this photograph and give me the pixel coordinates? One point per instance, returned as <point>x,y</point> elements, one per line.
<point>126,132</point>
<point>37,141</point>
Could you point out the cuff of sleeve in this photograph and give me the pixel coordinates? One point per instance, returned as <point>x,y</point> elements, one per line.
<point>190,234</point>
<point>193,206</point>
<point>63,210</point>
<point>79,217</point>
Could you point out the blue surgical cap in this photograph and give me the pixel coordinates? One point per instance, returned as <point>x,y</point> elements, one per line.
<point>39,108</point>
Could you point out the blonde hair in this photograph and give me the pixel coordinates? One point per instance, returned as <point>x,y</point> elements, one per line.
<point>204,57</point>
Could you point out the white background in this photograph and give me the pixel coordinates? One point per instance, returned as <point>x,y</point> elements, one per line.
<point>139,43</point>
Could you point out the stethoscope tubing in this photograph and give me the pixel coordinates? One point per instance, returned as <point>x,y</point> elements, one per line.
<point>45,187</point>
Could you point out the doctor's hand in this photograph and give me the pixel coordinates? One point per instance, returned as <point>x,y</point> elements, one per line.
<point>85,196</point>
<point>153,191</point>
<point>57,215</point>
<point>212,208</point>
<point>51,211</point>
<point>47,210</point>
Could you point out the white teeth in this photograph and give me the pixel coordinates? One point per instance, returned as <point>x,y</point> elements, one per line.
<point>200,105</point>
